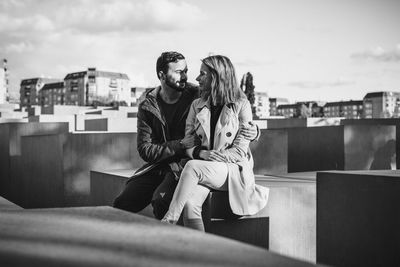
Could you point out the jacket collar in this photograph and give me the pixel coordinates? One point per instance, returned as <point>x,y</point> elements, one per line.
<point>150,104</point>
<point>204,117</point>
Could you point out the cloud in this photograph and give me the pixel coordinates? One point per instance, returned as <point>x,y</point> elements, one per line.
<point>320,84</point>
<point>254,63</point>
<point>379,54</point>
<point>19,47</point>
<point>96,16</point>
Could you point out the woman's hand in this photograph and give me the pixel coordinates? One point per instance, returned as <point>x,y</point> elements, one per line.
<point>212,155</point>
<point>190,141</point>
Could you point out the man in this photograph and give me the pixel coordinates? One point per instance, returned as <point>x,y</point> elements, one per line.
<point>161,140</point>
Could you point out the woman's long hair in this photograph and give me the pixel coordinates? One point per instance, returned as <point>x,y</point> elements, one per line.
<point>224,85</point>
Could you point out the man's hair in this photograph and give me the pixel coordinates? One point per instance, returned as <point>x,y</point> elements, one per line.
<point>165,58</point>
<point>224,85</point>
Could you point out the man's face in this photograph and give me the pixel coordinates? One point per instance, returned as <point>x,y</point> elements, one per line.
<point>176,77</point>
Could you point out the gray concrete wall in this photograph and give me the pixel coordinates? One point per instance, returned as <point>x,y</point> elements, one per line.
<point>358,218</point>
<point>317,148</point>
<point>394,122</point>
<point>10,151</point>
<point>98,124</point>
<point>321,148</point>
<point>270,152</point>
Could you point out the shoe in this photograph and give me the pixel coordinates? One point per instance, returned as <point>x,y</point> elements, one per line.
<point>165,220</point>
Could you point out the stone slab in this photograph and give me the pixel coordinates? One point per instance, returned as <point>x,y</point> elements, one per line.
<point>291,208</point>
<point>103,236</point>
<point>8,205</point>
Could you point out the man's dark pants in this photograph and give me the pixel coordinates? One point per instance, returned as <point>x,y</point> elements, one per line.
<point>156,187</point>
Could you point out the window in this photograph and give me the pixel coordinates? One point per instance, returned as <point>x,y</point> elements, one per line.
<point>113,83</point>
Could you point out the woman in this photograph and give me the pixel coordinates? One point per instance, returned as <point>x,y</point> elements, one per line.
<point>223,161</point>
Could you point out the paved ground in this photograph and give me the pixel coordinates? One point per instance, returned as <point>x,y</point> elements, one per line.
<point>103,236</point>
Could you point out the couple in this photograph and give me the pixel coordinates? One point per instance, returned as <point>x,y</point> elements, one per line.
<point>214,131</point>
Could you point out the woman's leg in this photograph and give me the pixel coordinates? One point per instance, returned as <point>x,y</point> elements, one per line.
<point>192,211</point>
<point>209,173</point>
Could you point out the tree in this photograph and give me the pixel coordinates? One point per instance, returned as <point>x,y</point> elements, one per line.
<point>304,111</point>
<point>246,84</point>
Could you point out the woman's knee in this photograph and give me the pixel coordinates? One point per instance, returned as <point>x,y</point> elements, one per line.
<point>193,165</point>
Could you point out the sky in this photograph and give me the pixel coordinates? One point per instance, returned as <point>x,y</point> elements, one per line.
<point>323,50</point>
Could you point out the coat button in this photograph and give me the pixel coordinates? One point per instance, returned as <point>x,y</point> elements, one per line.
<point>228,134</point>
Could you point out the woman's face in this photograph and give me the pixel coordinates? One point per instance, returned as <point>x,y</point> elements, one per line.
<point>204,78</point>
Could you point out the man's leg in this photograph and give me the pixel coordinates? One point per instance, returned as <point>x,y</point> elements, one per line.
<point>163,195</point>
<point>138,192</point>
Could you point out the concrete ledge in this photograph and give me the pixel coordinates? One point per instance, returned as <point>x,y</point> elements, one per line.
<point>104,236</point>
<point>291,209</point>
<point>7,205</point>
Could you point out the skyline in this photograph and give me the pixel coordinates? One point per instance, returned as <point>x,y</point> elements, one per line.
<point>301,50</point>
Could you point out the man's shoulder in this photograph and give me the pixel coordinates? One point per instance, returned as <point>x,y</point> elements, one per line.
<point>192,89</point>
<point>147,96</point>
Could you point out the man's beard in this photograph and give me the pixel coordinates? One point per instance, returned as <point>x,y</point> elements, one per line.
<point>175,86</point>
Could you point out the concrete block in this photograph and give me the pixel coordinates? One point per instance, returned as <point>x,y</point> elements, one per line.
<point>103,236</point>
<point>92,151</point>
<point>270,152</point>
<point>291,228</point>
<point>7,205</point>
<point>97,124</point>
<point>10,152</point>
<point>291,209</point>
<point>358,218</point>
<point>106,185</point>
<point>70,119</point>
<point>393,122</point>
<point>317,148</point>
<point>254,231</point>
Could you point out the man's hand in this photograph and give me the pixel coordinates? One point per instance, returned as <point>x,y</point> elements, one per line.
<point>249,131</point>
<point>190,141</point>
<point>212,155</point>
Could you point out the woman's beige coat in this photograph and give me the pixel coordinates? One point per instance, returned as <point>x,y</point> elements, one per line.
<point>245,197</point>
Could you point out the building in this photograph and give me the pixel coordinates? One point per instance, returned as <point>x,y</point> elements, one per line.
<point>274,103</point>
<point>381,105</point>
<point>52,94</point>
<point>261,105</point>
<point>137,93</point>
<point>97,87</point>
<point>29,90</point>
<point>3,89</point>
<point>287,110</point>
<point>300,110</point>
<point>352,109</point>
<point>4,83</point>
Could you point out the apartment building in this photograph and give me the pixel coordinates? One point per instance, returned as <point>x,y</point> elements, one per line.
<point>52,94</point>
<point>29,90</point>
<point>300,110</point>
<point>352,109</point>
<point>93,86</point>
<point>381,105</point>
<point>261,105</point>
<point>274,103</point>
<point>3,88</point>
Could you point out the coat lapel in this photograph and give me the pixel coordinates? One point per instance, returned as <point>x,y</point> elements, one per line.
<point>204,117</point>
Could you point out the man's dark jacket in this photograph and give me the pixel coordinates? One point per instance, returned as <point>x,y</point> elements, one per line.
<point>153,142</point>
